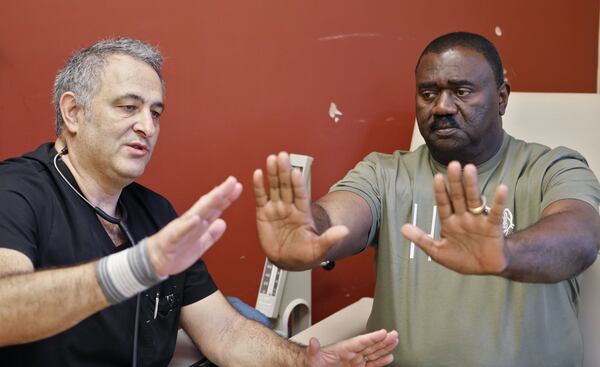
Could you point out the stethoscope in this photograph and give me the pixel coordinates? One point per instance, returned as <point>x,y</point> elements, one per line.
<point>123,227</point>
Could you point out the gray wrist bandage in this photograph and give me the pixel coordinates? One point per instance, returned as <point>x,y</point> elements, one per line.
<point>126,273</point>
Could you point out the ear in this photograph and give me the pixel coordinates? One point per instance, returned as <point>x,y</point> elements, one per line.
<point>71,111</point>
<point>503,93</point>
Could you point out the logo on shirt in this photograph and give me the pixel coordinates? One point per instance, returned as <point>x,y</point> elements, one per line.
<point>507,222</point>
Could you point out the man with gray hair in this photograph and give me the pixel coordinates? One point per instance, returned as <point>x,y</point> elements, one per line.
<point>96,269</point>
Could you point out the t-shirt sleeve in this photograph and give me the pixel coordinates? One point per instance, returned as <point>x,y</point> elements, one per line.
<point>568,176</point>
<point>18,224</point>
<point>198,283</point>
<point>363,181</point>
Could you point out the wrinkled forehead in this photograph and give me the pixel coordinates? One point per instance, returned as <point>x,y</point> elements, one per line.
<point>453,64</point>
<point>127,75</point>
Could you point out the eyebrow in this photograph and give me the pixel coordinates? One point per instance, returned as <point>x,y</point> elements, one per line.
<point>140,99</point>
<point>451,82</point>
<point>455,82</point>
<point>426,85</point>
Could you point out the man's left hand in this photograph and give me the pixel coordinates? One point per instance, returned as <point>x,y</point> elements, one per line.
<point>471,236</point>
<point>369,350</point>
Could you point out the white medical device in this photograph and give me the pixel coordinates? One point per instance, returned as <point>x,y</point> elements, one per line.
<point>285,296</point>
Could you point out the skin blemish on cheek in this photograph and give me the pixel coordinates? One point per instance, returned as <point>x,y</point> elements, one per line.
<point>334,113</point>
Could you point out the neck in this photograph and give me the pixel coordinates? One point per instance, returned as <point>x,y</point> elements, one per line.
<point>478,154</point>
<point>95,190</point>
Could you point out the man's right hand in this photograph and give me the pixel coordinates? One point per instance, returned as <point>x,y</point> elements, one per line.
<point>286,228</point>
<point>184,240</point>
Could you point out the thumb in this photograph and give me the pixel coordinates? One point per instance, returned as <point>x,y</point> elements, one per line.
<point>313,348</point>
<point>331,236</point>
<point>212,235</point>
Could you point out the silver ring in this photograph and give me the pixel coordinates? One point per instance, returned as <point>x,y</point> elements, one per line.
<point>480,209</point>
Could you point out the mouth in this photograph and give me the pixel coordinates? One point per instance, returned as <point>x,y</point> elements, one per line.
<point>445,133</point>
<point>139,148</point>
<point>443,126</point>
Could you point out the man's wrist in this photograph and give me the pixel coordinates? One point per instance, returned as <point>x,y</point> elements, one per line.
<point>505,271</point>
<point>154,256</point>
<point>126,273</point>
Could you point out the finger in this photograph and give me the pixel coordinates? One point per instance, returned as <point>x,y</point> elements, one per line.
<point>223,202</point>
<point>211,236</point>
<point>259,189</point>
<point>497,212</point>
<point>273,177</point>
<point>211,205</point>
<point>372,337</point>
<point>384,347</point>
<point>441,197</point>
<point>329,238</point>
<point>455,184</point>
<point>362,346</point>
<point>301,199</point>
<point>169,237</point>
<point>381,344</point>
<point>181,227</point>
<point>225,188</point>
<point>420,238</point>
<point>285,182</point>
<point>473,197</point>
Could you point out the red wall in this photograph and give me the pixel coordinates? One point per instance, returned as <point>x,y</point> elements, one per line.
<point>247,78</point>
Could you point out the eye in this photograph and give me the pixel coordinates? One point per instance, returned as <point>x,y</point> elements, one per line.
<point>428,94</point>
<point>463,92</point>
<point>128,108</point>
<point>155,114</point>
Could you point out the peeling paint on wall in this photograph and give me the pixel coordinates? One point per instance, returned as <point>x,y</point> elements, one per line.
<point>334,113</point>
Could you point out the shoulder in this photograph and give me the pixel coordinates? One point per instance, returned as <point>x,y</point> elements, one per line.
<point>154,202</point>
<point>398,159</point>
<point>540,154</point>
<point>27,174</point>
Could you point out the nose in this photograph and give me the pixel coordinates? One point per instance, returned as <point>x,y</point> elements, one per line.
<point>146,124</point>
<point>444,104</point>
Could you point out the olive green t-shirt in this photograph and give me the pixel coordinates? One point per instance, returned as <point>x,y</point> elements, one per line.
<point>448,319</point>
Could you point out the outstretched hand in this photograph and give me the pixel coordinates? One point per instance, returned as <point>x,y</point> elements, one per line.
<point>286,228</point>
<point>369,350</point>
<point>472,241</point>
<point>185,239</point>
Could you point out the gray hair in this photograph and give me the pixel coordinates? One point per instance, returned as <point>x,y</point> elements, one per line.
<point>83,71</point>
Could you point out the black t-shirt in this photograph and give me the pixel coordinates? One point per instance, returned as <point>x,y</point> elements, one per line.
<point>42,217</point>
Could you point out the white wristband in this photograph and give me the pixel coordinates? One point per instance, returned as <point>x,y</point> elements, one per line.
<point>126,273</point>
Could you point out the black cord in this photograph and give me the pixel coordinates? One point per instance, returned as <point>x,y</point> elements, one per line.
<point>123,227</point>
<point>136,324</point>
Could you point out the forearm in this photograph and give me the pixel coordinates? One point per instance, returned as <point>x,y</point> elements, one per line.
<point>37,305</point>
<point>250,344</point>
<point>558,247</point>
